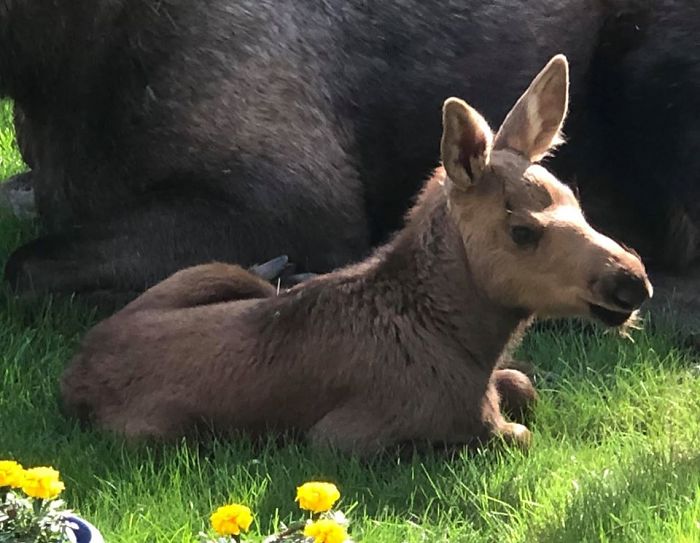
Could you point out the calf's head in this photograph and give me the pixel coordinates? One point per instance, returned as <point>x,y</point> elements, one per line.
<point>527,241</point>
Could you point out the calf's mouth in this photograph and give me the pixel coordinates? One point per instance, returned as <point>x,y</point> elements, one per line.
<point>609,317</point>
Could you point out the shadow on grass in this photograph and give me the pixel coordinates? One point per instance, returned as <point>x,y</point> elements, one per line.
<point>609,504</point>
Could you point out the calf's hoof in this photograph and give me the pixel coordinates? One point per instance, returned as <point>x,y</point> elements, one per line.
<point>516,435</point>
<point>280,270</point>
<point>271,269</point>
<point>300,278</point>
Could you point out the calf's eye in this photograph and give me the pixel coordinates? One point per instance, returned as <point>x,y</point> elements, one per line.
<point>525,236</point>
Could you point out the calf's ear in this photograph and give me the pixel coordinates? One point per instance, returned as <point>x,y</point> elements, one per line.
<point>466,142</point>
<point>533,126</point>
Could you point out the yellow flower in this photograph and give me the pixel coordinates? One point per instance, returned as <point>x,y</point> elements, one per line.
<point>42,482</point>
<point>326,531</point>
<point>317,497</point>
<point>231,519</point>
<point>11,474</point>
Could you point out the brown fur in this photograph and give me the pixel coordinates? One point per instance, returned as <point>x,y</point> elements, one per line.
<point>399,348</point>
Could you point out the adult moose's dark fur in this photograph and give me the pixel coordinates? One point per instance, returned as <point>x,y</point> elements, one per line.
<point>399,348</point>
<point>165,134</point>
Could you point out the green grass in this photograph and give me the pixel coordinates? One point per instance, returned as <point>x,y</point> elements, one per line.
<point>10,161</point>
<point>616,454</point>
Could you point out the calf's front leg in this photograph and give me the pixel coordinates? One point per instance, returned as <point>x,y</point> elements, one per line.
<point>353,429</point>
<point>516,394</point>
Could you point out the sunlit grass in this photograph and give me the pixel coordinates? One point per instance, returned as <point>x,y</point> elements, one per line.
<point>10,161</point>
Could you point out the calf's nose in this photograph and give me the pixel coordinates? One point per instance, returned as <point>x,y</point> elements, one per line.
<point>628,291</point>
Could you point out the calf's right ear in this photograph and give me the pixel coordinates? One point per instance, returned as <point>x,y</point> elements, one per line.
<point>466,142</point>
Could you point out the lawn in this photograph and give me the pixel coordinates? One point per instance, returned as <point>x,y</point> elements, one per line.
<point>616,455</point>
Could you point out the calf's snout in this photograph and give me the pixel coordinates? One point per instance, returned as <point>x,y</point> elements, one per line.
<point>625,290</point>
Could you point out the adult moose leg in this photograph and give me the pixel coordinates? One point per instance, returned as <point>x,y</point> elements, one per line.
<point>111,262</point>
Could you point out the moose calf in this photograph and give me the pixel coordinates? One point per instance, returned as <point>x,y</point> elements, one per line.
<point>399,348</point>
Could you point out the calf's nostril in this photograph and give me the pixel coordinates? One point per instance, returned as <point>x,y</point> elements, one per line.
<point>629,291</point>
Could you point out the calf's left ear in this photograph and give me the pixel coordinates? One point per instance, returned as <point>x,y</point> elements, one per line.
<point>534,123</point>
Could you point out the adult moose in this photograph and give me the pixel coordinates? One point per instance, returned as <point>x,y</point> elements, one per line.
<point>166,134</point>
<point>494,241</point>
